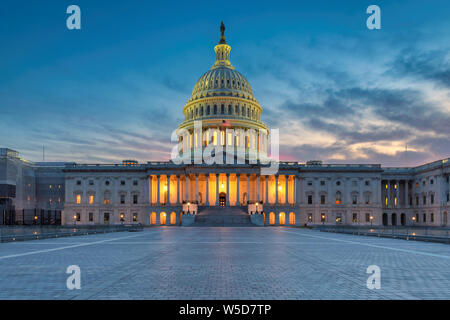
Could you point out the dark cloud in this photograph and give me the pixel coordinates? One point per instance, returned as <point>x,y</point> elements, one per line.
<point>430,65</point>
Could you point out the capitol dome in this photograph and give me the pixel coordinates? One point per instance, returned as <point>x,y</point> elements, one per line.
<point>223,94</point>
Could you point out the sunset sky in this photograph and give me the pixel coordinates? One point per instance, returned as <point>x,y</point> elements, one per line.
<point>337,91</point>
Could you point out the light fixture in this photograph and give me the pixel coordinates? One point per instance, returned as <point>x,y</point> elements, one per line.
<point>279,188</point>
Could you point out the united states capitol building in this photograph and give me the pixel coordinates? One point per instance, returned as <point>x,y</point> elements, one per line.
<point>222,174</point>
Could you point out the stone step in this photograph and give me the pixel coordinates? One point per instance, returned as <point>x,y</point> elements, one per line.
<point>222,217</point>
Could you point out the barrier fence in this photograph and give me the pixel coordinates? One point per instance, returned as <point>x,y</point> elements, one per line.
<point>24,233</point>
<point>435,234</point>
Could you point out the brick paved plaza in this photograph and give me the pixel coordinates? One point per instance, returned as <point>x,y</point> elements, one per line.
<point>224,263</point>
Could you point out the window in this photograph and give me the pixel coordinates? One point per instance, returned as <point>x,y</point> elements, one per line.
<point>135,198</point>
<point>367,198</point>
<point>417,200</point>
<point>448,197</point>
<point>78,199</point>
<point>122,182</point>
<point>310,199</point>
<point>309,183</point>
<point>367,217</point>
<point>417,184</point>
<point>355,218</point>
<point>354,199</point>
<point>122,217</point>
<point>78,183</point>
<point>367,182</point>
<point>424,199</point>
<point>322,183</point>
<point>91,199</point>
<point>354,183</point>
<point>107,182</point>
<point>135,182</point>
<point>424,183</point>
<point>78,216</point>
<point>432,199</point>
<point>424,217</point>
<point>431,181</point>
<point>91,182</point>
<point>135,217</point>
<point>322,199</point>
<point>122,199</point>
<point>91,216</point>
<point>338,198</point>
<point>106,217</point>
<point>432,217</point>
<point>338,218</point>
<point>338,183</point>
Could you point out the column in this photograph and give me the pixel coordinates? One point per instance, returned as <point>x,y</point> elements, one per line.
<point>178,190</point>
<point>150,189</point>
<point>217,189</point>
<point>186,186</point>
<point>286,191</point>
<point>248,187</point>
<point>228,189</point>
<point>267,190</point>
<point>158,177</point>
<point>257,187</point>
<point>406,194</point>
<point>238,200</point>
<point>168,190</point>
<point>389,193</point>
<point>207,189</point>
<point>276,189</point>
<point>196,188</point>
<point>397,192</point>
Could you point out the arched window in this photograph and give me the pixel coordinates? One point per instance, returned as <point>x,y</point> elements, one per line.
<point>222,109</point>
<point>291,218</point>
<point>338,197</point>
<point>282,217</point>
<point>162,218</point>
<point>201,111</point>
<point>230,109</point>
<point>236,110</point>
<point>272,218</point>
<point>215,109</point>
<point>208,110</point>
<point>153,218</point>
<point>173,218</point>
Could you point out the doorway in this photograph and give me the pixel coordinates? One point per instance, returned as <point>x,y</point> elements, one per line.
<point>222,199</point>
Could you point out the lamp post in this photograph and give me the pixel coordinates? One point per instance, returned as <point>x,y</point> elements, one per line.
<point>257,207</point>
<point>188,204</point>
<point>74,220</point>
<point>371,221</point>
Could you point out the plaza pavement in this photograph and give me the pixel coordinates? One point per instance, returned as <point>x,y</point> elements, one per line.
<point>224,263</point>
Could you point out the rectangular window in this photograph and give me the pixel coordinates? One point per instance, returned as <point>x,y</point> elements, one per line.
<point>135,198</point>
<point>417,201</point>
<point>424,217</point>
<point>338,218</point>
<point>432,199</point>
<point>424,199</point>
<point>354,199</point>
<point>309,183</point>
<point>91,216</point>
<point>367,198</point>
<point>91,199</point>
<point>107,201</point>
<point>355,218</point>
<point>367,217</point>
<point>448,197</point>
<point>135,182</point>
<point>106,217</point>
<point>322,199</point>
<point>78,216</point>
<point>309,199</point>
<point>432,217</point>
<point>122,199</point>
<point>322,183</point>
<point>367,182</point>
<point>91,182</point>
<point>78,199</point>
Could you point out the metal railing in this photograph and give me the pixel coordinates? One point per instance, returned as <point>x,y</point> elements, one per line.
<point>435,234</point>
<point>25,233</point>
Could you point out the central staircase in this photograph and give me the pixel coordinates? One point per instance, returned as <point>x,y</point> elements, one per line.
<point>222,217</point>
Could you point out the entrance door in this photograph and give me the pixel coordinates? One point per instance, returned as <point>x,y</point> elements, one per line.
<point>222,199</point>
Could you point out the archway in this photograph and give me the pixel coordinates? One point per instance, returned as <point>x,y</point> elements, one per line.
<point>291,218</point>
<point>272,218</point>
<point>222,199</point>
<point>394,219</point>
<point>173,218</point>
<point>153,218</point>
<point>282,217</point>
<point>385,219</point>
<point>162,218</point>
<point>402,219</point>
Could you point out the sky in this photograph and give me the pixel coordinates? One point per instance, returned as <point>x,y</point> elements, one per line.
<point>337,91</point>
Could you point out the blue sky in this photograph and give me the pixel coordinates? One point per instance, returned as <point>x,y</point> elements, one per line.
<point>116,88</point>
